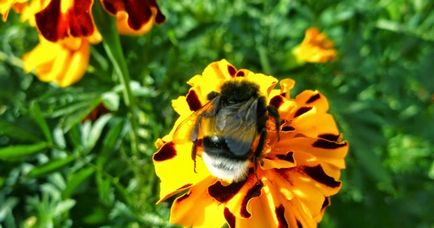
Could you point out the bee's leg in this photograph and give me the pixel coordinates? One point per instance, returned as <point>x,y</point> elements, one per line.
<point>275,114</point>
<point>193,154</point>
<point>259,148</point>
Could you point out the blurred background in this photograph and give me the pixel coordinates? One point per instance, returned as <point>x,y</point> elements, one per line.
<point>71,172</point>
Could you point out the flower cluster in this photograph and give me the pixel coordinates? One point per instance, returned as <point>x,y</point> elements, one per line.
<point>67,29</point>
<point>293,179</point>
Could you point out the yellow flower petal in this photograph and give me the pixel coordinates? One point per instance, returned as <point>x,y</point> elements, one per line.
<point>62,63</point>
<point>176,160</point>
<point>324,150</point>
<point>263,212</point>
<point>196,208</point>
<point>77,66</point>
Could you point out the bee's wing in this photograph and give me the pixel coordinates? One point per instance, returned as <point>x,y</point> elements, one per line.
<point>238,125</point>
<point>188,129</point>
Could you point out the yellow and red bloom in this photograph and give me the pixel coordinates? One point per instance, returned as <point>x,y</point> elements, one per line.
<point>134,17</point>
<point>61,19</point>
<point>70,27</point>
<point>316,47</point>
<point>295,177</point>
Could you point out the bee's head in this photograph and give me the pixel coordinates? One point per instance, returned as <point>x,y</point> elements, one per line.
<point>233,92</point>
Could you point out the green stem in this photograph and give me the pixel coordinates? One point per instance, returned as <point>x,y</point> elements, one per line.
<point>263,58</point>
<point>11,59</point>
<point>112,45</point>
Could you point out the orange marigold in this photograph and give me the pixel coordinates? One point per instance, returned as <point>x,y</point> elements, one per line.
<point>316,47</point>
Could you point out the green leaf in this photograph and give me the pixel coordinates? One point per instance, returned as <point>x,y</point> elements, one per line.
<point>7,206</point>
<point>59,137</point>
<point>63,207</point>
<point>75,180</point>
<point>95,132</point>
<point>51,166</point>
<point>39,118</point>
<point>74,136</point>
<point>111,101</point>
<point>20,151</point>
<point>105,190</point>
<point>110,140</point>
<point>13,131</point>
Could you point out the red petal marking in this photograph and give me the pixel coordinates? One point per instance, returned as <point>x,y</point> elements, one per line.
<point>76,22</point>
<point>330,137</point>
<point>232,70</point>
<point>317,173</point>
<point>313,98</point>
<point>299,225</point>
<point>280,214</point>
<point>326,144</point>
<point>240,73</point>
<point>302,110</point>
<point>224,193</point>
<point>326,203</point>
<point>276,101</point>
<point>139,11</point>
<point>287,157</point>
<point>230,218</point>
<point>254,191</point>
<point>167,151</point>
<point>193,101</point>
<point>287,128</point>
<point>183,197</point>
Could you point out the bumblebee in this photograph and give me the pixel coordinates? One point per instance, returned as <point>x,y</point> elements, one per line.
<point>227,127</point>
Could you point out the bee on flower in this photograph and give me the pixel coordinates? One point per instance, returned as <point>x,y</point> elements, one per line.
<point>246,154</point>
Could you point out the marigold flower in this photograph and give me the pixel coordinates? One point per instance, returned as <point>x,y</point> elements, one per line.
<point>316,47</point>
<point>61,19</point>
<point>294,176</point>
<point>6,5</point>
<point>69,25</point>
<point>65,64</point>
<point>134,17</point>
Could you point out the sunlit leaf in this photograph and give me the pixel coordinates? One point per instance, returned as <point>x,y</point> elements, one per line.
<point>51,166</point>
<point>20,151</point>
<point>95,131</point>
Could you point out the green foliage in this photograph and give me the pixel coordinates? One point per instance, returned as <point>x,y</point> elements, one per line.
<point>57,170</point>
